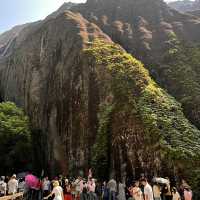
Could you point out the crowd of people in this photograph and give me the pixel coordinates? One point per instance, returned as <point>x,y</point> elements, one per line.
<point>62,188</point>
<point>10,185</point>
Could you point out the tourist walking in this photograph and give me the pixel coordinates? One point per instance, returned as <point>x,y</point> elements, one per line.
<point>46,184</point>
<point>84,194</point>
<point>57,192</point>
<point>148,192</point>
<point>78,187</point>
<point>136,191</point>
<point>185,190</point>
<point>91,189</point>
<point>105,191</point>
<point>112,186</point>
<point>156,191</point>
<point>175,194</point>
<point>12,185</point>
<point>21,185</point>
<point>121,191</point>
<point>167,194</point>
<point>187,194</point>
<point>67,190</point>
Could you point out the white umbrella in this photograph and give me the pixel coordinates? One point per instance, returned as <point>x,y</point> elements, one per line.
<point>161,180</point>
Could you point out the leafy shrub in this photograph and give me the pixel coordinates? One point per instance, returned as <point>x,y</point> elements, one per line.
<point>15,139</point>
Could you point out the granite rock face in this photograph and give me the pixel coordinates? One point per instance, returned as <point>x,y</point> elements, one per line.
<point>74,94</point>
<point>148,29</point>
<point>46,75</point>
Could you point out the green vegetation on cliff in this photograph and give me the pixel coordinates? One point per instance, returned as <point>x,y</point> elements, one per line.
<point>15,138</point>
<point>180,74</point>
<point>143,117</point>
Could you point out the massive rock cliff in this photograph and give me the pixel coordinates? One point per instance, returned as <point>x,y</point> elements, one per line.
<point>96,104</point>
<point>46,76</point>
<point>150,31</point>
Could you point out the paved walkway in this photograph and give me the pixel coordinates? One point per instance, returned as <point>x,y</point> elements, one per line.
<point>11,197</point>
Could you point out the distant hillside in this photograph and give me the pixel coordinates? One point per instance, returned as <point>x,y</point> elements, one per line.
<point>185,5</point>
<point>6,36</point>
<point>195,12</point>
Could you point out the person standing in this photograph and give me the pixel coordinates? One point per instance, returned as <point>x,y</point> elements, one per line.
<point>91,189</point>
<point>46,186</point>
<point>105,191</point>
<point>187,194</point>
<point>175,194</point>
<point>12,185</point>
<point>21,185</point>
<point>112,186</point>
<point>184,189</point>
<point>78,187</point>
<point>3,186</point>
<point>121,191</point>
<point>136,192</point>
<point>156,191</point>
<point>167,194</point>
<point>148,192</point>
<point>84,195</point>
<point>57,192</point>
<point>67,190</point>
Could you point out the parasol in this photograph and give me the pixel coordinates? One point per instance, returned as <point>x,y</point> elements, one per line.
<point>31,181</point>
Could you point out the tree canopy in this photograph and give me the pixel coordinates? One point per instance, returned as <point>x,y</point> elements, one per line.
<point>15,139</point>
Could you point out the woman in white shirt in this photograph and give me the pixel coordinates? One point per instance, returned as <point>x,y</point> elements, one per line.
<point>57,192</point>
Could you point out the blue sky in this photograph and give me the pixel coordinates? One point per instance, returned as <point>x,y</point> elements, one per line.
<point>14,12</point>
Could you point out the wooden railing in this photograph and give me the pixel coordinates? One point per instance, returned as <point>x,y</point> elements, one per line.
<point>18,196</point>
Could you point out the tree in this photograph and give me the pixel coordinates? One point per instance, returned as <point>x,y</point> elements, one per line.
<point>15,139</point>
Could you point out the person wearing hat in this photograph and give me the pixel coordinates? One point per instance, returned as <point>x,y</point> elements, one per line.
<point>12,185</point>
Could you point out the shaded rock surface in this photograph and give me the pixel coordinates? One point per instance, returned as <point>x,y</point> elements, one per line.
<point>47,77</point>
<point>195,12</point>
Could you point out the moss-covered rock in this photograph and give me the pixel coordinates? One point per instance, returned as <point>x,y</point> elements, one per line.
<point>140,117</point>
